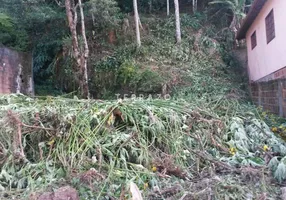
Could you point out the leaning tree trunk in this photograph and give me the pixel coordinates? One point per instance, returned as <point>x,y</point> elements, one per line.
<point>234,26</point>
<point>136,18</point>
<point>79,56</point>
<point>168,7</point>
<point>178,26</point>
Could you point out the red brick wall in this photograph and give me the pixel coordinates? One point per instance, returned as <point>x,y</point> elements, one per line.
<point>283,88</point>
<point>279,74</point>
<point>270,95</point>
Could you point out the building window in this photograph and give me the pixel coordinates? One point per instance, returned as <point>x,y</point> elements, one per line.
<point>270,26</point>
<point>253,40</point>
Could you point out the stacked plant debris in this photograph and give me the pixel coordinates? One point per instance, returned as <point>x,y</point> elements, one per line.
<point>165,149</point>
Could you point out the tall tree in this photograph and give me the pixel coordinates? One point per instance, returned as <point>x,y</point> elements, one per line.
<point>195,5</point>
<point>178,26</point>
<point>168,7</point>
<point>136,19</point>
<point>79,54</point>
<point>150,6</point>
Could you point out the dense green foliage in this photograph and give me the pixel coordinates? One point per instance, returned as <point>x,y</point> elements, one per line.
<point>40,27</point>
<point>11,33</point>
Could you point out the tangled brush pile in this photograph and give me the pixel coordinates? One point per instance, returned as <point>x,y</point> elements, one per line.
<point>169,149</point>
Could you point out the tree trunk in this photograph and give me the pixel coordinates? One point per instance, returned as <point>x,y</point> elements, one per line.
<point>111,37</point>
<point>136,18</point>
<point>72,20</point>
<point>150,6</point>
<point>84,56</point>
<point>168,7</point>
<point>80,57</point>
<point>195,5</point>
<point>178,26</point>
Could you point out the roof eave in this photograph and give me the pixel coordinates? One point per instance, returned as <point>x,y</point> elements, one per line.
<point>250,18</point>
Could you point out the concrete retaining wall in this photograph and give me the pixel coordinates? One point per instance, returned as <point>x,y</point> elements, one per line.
<point>16,73</point>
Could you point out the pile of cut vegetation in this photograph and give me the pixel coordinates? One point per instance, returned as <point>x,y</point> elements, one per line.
<point>157,148</point>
